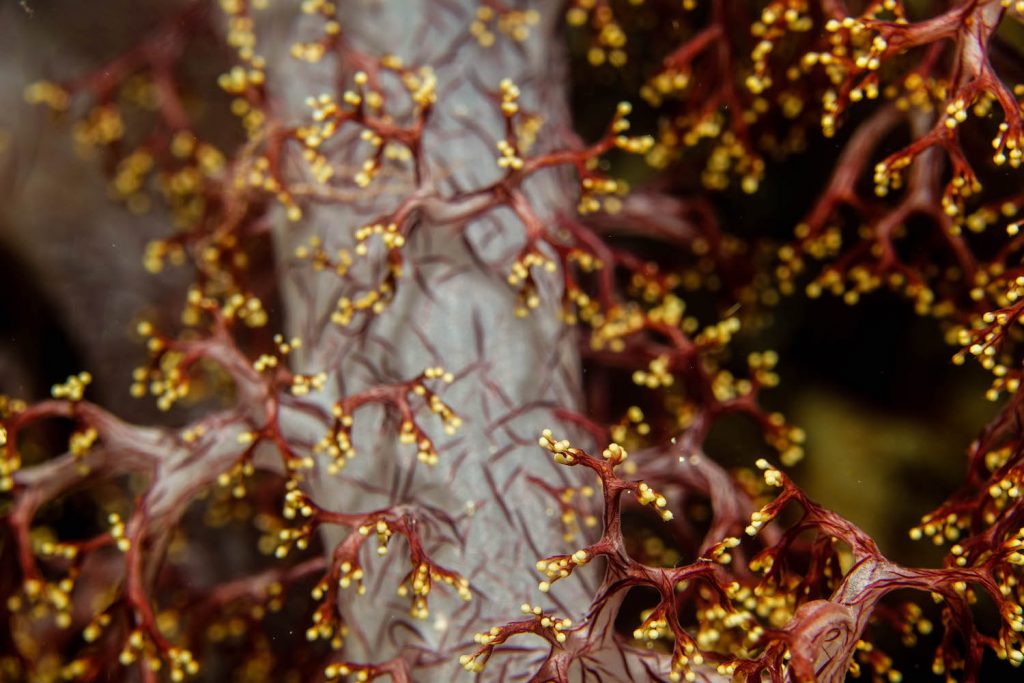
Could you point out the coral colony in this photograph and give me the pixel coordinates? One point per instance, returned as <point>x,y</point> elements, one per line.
<point>437,367</point>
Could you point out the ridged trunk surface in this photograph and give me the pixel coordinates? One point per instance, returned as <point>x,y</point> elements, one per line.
<point>453,308</point>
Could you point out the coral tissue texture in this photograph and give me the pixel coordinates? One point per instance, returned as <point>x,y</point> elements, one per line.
<point>427,340</point>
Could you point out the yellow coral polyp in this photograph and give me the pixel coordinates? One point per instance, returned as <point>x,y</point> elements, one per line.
<point>74,388</point>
